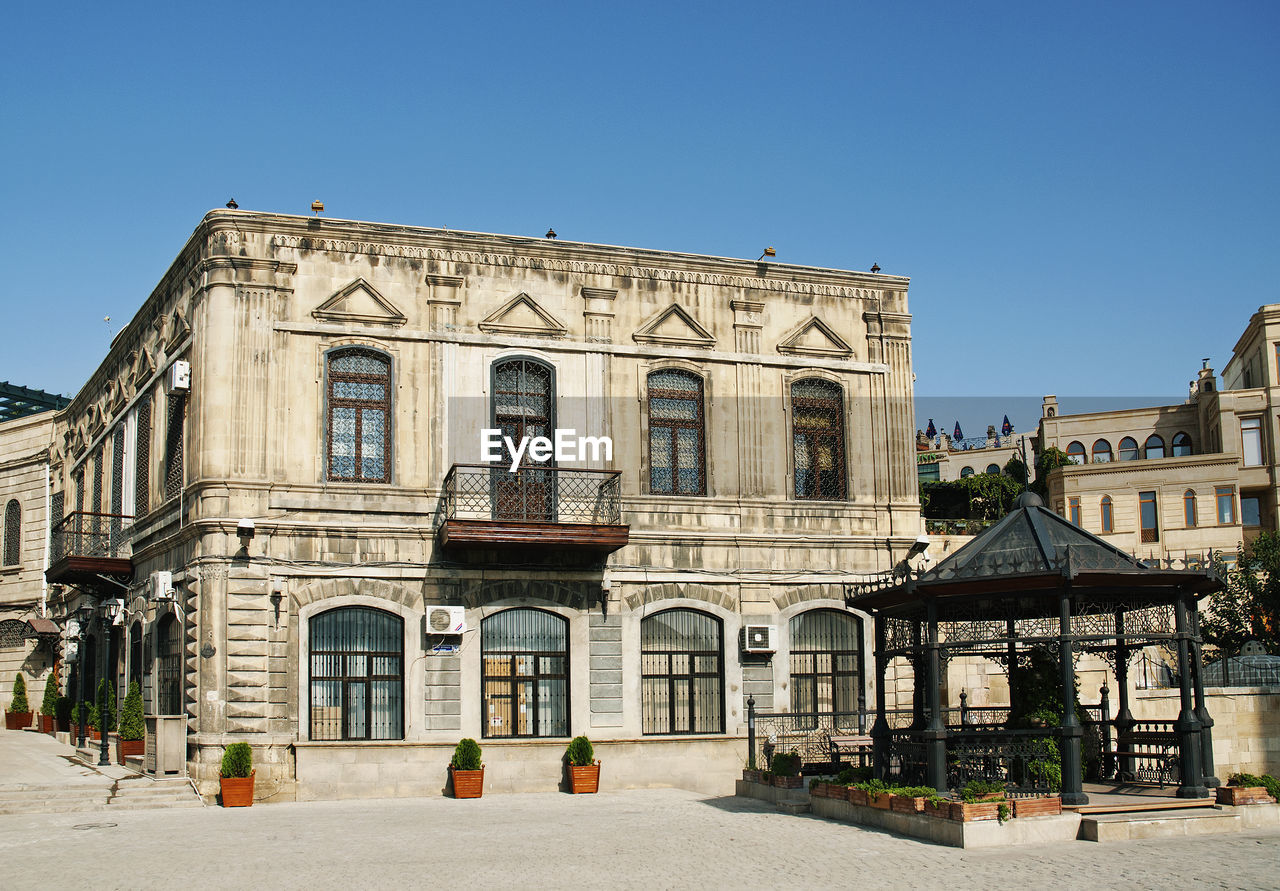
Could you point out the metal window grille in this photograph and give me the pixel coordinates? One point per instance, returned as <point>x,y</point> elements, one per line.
<point>682,673</point>
<point>826,663</point>
<point>135,652</point>
<point>677,433</point>
<point>117,483</point>
<point>11,633</point>
<point>97,482</point>
<point>12,533</point>
<point>524,406</point>
<point>57,508</point>
<point>169,667</point>
<point>817,430</point>
<point>79,485</point>
<point>142,459</point>
<point>357,674</point>
<point>359,416</point>
<point>525,677</point>
<point>173,446</point>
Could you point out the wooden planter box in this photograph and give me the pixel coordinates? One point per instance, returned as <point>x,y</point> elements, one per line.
<point>752,776</point>
<point>583,780</point>
<point>1239,795</point>
<point>787,782</point>
<point>17,720</point>
<point>237,791</point>
<point>820,790</point>
<point>904,804</point>
<point>941,810</point>
<point>1037,807</point>
<point>46,723</point>
<point>129,748</point>
<point>467,783</point>
<point>883,801</point>
<point>970,812</point>
<point>858,797</point>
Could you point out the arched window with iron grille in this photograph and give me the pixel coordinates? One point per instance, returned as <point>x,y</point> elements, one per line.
<point>826,663</point>
<point>358,416</point>
<point>356,658</point>
<point>12,533</point>
<point>817,432</point>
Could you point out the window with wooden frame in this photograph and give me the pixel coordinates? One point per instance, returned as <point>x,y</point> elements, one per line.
<point>817,439</point>
<point>1075,451</point>
<point>682,673</point>
<point>1148,517</point>
<point>524,680</point>
<point>1108,523</point>
<point>1128,449</point>
<point>173,445</point>
<point>358,416</point>
<point>1101,452</point>
<point>1189,508</point>
<point>12,533</point>
<point>677,433</point>
<point>1153,447</point>
<point>1181,445</point>
<point>1226,501</point>
<point>1073,506</point>
<point>356,674</point>
<point>1251,442</point>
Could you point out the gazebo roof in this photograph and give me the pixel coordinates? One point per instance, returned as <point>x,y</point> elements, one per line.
<point>1033,550</point>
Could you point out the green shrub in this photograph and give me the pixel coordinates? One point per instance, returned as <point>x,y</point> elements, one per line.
<point>580,752</point>
<point>1267,781</point>
<point>75,714</point>
<point>786,764</point>
<point>104,710</point>
<point>91,719</point>
<point>873,787</point>
<point>466,756</point>
<point>131,723</point>
<point>49,705</point>
<point>19,703</point>
<point>237,760</point>
<point>977,790</point>
<point>851,775</point>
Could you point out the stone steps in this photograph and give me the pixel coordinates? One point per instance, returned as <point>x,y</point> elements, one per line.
<point>126,794</point>
<point>1158,824</point>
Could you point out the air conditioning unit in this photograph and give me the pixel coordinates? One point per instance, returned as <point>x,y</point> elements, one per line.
<point>446,619</point>
<point>178,378</point>
<point>160,586</point>
<point>759,638</point>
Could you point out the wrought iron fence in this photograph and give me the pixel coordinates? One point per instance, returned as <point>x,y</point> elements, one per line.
<point>532,494</point>
<point>1021,760</point>
<point>1147,751</point>
<point>1249,669</point>
<point>806,734</point>
<point>85,534</point>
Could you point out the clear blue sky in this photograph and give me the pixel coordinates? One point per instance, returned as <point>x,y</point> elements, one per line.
<point>1084,195</point>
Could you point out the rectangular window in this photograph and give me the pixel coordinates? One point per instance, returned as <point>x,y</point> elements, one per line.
<point>1107,525</point>
<point>173,447</point>
<point>1251,441</point>
<point>1149,517</point>
<point>1250,511</point>
<point>142,458</point>
<point>1075,510</point>
<point>1226,497</point>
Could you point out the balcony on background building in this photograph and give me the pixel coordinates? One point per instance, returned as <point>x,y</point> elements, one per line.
<point>87,546</point>
<point>560,508</point>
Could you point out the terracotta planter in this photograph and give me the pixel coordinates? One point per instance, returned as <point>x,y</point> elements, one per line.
<point>751,776</point>
<point>1037,807</point>
<point>822,790</point>
<point>787,782</point>
<point>46,723</point>
<point>941,810</point>
<point>237,791</point>
<point>467,783</point>
<point>126,748</point>
<point>883,801</point>
<point>970,812</point>
<point>858,797</point>
<point>17,720</point>
<point>583,780</point>
<point>1240,795</point>
<point>905,804</point>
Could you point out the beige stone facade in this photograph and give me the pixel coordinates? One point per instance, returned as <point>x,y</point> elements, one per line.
<point>260,305</point>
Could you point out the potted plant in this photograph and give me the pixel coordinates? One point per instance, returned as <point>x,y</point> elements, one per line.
<point>466,770</point>
<point>102,714</point>
<point>131,742</point>
<point>19,714</point>
<point>584,770</point>
<point>237,775</point>
<point>786,771</point>
<point>49,705</point>
<point>911,799</point>
<point>1244,788</point>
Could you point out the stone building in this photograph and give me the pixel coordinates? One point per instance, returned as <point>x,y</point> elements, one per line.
<point>274,504</point>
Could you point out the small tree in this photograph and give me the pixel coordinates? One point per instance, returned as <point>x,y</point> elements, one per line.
<point>19,703</point>
<point>49,705</point>
<point>1016,470</point>
<point>1249,607</point>
<point>580,752</point>
<point>237,760</point>
<point>466,756</point>
<point>131,723</point>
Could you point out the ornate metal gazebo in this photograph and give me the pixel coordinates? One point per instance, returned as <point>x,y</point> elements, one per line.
<point>1035,580</point>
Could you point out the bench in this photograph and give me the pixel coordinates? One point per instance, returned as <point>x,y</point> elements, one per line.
<point>856,746</point>
<point>1159,748</point>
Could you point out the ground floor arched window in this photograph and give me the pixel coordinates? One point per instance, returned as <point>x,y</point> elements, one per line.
<point>357,674</point>
<point>525,677</point>
<point>682,673</point>
<point>826,663</point>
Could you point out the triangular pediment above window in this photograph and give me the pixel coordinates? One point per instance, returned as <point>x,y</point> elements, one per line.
<point>522,315</point>
<point>359,302</point>
<point>143,367</point>
<point>814,338</point>
<point>178,329</point>
<point>674,326</point>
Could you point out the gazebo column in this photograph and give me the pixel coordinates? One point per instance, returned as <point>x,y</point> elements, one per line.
<point>935,732</point>
<point>918,673</point>
<point>1202,710</point>
<point>1070,731</point>
<point>1187,725</point>
<point>880,737</point>
<point>1011,634</point>
<point>1124,717</point>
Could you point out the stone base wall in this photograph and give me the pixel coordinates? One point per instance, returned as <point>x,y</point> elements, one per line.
<point>1246,725</point>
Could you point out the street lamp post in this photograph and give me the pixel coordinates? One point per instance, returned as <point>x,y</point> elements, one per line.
<point>110,609</point>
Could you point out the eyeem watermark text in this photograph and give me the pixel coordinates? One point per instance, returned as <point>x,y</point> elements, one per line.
<point>567,446</point>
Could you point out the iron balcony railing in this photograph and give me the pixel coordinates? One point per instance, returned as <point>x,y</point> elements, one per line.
<point>533,495</point>
<point>86,534</point>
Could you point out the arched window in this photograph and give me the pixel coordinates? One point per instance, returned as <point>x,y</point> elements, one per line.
<point>1076,453</point>
<point>817,439</point>
<point>1182,445</point>
<point>135,652</point>
<point>523,403</point>
<point>1108,524</point>
<point>677,449</point>
<point>12,533</point>
<point>358,409</point>
<point>11,631</point>
<point>1128,449</point>
<point>168,667</point>
<point>1153,447</point>
<point>1101,452</point>
<point>682,673</point>
<point>357,674</point>
<point>1189,508</point>
<point>993,468</point>
<point>525,677</point>
<point>966,472</point>
<point>826,663</point>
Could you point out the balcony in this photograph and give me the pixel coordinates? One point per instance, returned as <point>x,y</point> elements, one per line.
<point>87,546</point>
<point>535,507</point>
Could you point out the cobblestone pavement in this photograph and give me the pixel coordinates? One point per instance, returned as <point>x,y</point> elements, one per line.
<point>661,838</point>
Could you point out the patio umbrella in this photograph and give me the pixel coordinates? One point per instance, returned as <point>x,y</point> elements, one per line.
<point>931,431</point>
<point>1006,428</point>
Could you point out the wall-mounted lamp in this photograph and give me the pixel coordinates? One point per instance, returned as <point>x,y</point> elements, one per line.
<point>277,597</point>
<point>113,611</point>
<point>768,252</point>
<point>245,532</point>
